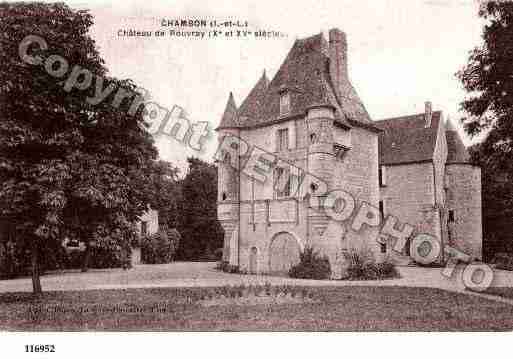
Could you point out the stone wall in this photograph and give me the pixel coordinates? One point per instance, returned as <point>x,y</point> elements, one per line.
<point>262,215</point>
<point>409,196</point>
<point>464,198</point>
<point>357,174</point>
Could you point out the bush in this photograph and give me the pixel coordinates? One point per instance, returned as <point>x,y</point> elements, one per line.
<point>160,247</point>
<point>227,267</point>
<point>100,258</point>
<point>504,261</point>
<point>311,266</point>
<point>362,266</point>
<point>14,260</point>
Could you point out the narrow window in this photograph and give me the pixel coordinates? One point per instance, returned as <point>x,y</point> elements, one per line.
<point>224,196</point>
<point>383,247</point>
<point>285,103</point>
<point>144,228</point>
<point>381,209</point>
<point>451,215</point>
<point>382,176</point>
<point>285,191</point>
<point>283,139</point>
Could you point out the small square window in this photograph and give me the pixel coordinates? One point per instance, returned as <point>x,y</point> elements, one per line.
<point>285,103</point>
<point>340,151</point>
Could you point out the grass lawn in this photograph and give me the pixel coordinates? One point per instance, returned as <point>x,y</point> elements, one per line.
<point>336,308</point>
<point>505,292</point>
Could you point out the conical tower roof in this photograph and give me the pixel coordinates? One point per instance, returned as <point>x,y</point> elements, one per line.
<point>229,118</point>
<point>456,150</point>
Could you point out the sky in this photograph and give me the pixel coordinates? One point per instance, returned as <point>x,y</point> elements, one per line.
<point>400,53</point>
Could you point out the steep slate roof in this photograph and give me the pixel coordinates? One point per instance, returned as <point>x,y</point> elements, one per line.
<point>229,118</point>
<point>406,139</point>
<point>456,150</point>
<point>305,74</point>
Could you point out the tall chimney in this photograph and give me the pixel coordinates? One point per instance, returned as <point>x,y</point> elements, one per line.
<point>428,113</point>
<point>338,57</point>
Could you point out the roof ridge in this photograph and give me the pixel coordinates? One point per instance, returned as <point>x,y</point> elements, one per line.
<point>405,117</point>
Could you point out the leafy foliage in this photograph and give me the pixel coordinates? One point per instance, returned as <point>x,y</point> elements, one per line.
<point>362,266</point>
<point>488,79</point>
<point>201,232</point>
<point>66,166</point>
<point>167,193</point>
<point>488,75</point>
<point>497,198</point>
<point>311,266</point>
<point>504,261</point>
<point>160,247</point>
<point>226,267</point>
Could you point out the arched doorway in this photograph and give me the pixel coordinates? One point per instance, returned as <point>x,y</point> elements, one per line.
<point>253,255</point>
<point>283,253</point>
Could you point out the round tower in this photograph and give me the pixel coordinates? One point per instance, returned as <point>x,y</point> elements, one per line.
<point>228,172</point>
<point>463,197</point>
<point>320,163</point>
<point>320,129</point>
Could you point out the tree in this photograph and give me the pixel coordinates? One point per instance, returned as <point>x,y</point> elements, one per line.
<point>66,165</point>
<point>198,225</point>
<point>488,78</point>
<point>488,75</point>
<point>497,199</point>
<point>167,193</point>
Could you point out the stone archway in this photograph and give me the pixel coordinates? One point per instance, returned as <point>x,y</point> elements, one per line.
<point>283,253</point>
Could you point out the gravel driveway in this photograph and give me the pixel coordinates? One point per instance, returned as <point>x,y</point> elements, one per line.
<point>189,274</point>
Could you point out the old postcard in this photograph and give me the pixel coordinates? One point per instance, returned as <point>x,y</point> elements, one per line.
<point>255,166</point>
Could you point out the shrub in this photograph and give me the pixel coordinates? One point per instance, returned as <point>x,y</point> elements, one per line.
<point>227,267</point>
<point>311,266</point>
<point>14,260</point>
<point>107,257</point>
<point>504,261</point>
<point>362,266</point>
<point>100,257</point>
<point>160,247</point>
<point>175,238</point>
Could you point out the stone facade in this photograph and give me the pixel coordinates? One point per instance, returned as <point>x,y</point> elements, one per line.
<point>310,119</point>
<point>440,193</point>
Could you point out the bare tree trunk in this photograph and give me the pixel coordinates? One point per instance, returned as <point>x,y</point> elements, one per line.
<point>36,276</point>
<point>87,256</point>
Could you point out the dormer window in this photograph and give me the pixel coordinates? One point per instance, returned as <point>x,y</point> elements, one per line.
<point>285,103</point>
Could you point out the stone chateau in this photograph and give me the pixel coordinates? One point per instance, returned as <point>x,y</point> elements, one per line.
<point>414,167</point>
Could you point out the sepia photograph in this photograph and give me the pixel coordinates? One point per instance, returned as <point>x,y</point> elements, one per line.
<point>255,166</point>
